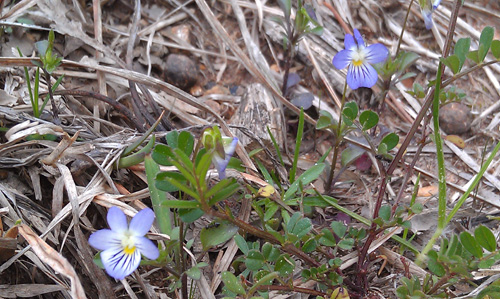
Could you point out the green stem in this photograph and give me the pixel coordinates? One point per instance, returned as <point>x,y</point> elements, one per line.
<point>298,141</point>
<point>338,141</point>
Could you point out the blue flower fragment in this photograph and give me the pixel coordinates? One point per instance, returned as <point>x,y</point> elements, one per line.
<point>222,162</point>
<point>123,244</point>
<point>428,7</point>
<point>359,59</point>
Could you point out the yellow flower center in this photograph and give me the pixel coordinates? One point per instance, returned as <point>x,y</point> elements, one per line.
<point>128,243</point>
<point>358,57</point>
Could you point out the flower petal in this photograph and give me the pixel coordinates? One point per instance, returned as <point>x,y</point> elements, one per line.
<point>359,39</point>
<point>361,76</point>
<point>117,220</point>
<point>104,239</point>
<point>220,165</point>
<point>147,248</point>
<point>376,53</point>
<point>118,264</point>
<point>342,59</point>
<point>436,4</point>
<point>349,41</point>
<point>142,221</point>
<point>427,14</point>
<point>229,149</point>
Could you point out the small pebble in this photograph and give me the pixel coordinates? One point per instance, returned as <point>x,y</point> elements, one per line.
<point>455,118</point>
<point>181,71</point>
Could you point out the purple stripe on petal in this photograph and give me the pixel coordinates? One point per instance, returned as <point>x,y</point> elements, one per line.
<point>118,264</point>
<point>104,239</point>
<point>142,221</point>
<point>376,53</point>
<point>117,220</point>
<point>147,248</point>
<point>367,76</point>
<point>342,59</point>
<point>359,38</point>
<point>349,42</point>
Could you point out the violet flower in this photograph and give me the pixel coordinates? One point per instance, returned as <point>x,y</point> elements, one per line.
<point>222,162</point>
<point>359,59</point>
<point>123,244</point>
<point>428,8</point>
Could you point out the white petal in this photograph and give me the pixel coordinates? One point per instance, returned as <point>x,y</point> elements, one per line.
<point>118,264</point>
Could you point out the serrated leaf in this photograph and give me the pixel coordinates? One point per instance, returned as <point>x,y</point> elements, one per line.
<point>495,48</point>
<point>368,119</point>
<point>254,260</point>
<point>284,265</point>
<point>485,41</point>
<point>485,238</point>
<point>461,50</point>
<point>471,245</point>
<point>232,283</point>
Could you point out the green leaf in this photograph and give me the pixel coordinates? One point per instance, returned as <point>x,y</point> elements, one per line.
<point>284,265</point>
<point>339,228</point>
<point>485,238</point>
<point>286,7</point>
<point>495,48</point>
<point>327,238</point>
<point>474,56</point>
<point>158,197</point>
<point>254,260</point>
<point>368,119</point>
<point>385,213</point>
<point>485,41</point>
<point>185,142</point>
<point>164,185</point>
<point>271,209</point>
<point>180,204</point>
<point>434,266</point>
<point>325,120</point>
<point>453,62</point>
<point>346,244</point>
<point>241,243</point>
<point>350,154</point>
<point>461,50</point>
<point>305,178</point>
<point>350,112</point>
<point>270,252</point>
<point>194,273</point>
<point>406,59</point>
<point>299,226</point>
<point>190,215</point>
<point>162,154</point>
<point>310,245</point>
<point>471,245</point>
<point>216,235</point>
<point>389,142</point>
<point>172,138</point>
<point>232,283</point>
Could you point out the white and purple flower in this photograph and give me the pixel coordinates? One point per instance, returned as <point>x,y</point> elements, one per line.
<point>359,58</point>
<point>428,7</point>
<point>222,162</point>
<point>123,244</point>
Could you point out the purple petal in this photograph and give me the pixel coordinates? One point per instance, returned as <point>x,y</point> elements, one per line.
<point>229,149</point>
<point>104,239</point>
<point>147,248</point>
<point>142,221</point>
<point>118,264</point>
<point>349,41</point>
<point>376,53</point>
<point>359,38</point>
<point>220,165</point>
<point>117,220</point>
<point>361,76</point>
<point>342,59</point>
<point>436,4</point>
